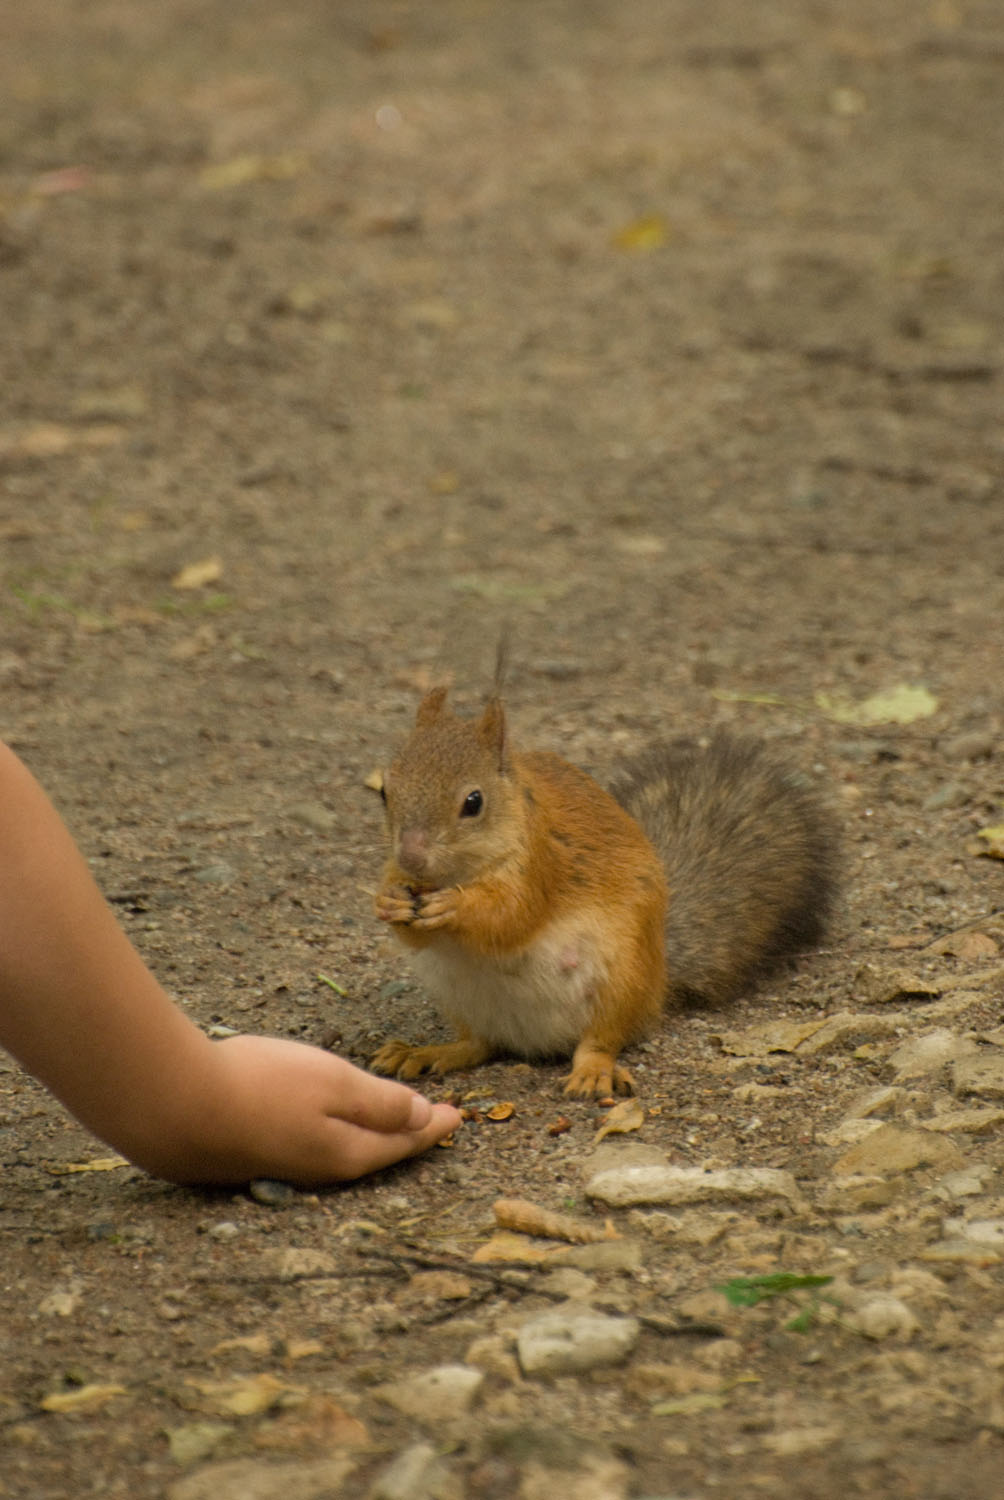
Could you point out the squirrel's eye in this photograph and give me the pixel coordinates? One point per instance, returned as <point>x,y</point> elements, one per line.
<point>473,803</point>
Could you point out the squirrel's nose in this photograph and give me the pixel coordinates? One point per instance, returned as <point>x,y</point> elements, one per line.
<point>413,850</point>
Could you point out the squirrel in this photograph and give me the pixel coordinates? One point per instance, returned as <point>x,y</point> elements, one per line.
<point>547,916</point>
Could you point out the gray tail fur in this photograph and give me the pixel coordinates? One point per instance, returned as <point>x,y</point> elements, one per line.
<point>751,855</point>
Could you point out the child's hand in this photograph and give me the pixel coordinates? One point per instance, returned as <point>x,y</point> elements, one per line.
<point>276,1108</point>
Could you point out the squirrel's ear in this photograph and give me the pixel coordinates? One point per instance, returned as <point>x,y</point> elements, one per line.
<point>492,730</point>
<point>431,707</point>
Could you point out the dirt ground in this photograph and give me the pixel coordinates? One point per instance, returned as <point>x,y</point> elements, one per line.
<point>334,337</point>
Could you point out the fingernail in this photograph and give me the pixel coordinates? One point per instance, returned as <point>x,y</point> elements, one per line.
<point>421,1112</point>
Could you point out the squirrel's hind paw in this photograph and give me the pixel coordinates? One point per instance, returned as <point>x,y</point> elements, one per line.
<point>596,1073</point>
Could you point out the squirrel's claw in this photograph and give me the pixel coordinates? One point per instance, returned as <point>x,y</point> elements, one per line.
<point>596,1074</point>
<point>435,909</point>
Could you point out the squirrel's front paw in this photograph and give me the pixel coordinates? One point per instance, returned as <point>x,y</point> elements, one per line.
<point>395,903</point>
<point>436,909</point>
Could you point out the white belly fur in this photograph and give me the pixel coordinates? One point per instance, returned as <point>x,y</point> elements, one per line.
<point>534,1003</point>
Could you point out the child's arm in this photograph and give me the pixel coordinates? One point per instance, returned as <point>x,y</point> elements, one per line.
<point>80,1009</point>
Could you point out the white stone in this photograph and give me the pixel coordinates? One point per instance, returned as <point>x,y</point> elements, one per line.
<point>435,1395</point>
<point>628,1185</point>
<point>564,1343</point>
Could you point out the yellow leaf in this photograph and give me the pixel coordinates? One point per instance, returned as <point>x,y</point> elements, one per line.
<point>241,170</point>
<point>994,840</point>
<point>374,781</point>
<point>628,1115</point>
<point>81,1399</point>
<point>244,1396</point>
<point>902,704</point>
<point>195,575</point>
<point>650,232</point>
<point>506,1246</point>
<point>98,1164</point>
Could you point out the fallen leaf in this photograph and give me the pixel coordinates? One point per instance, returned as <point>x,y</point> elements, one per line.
<point>993,838</point>
<point>650,232</point>
<point>504,1110</point>
<point>626,1116</point>
<point>98,1164</point>
<point>527,1218</point>
<point>82,1399</point>
<point>243,1396</point>
<point>240,170</point>
<point>512,1247</point>
<point>902,704</point>
<point>196,574</point>
<point>374,781</point>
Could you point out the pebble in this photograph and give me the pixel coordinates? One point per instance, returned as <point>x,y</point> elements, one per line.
<point>272,1194</point>
<point>417,1473</point>
<point>313,815</point>
<point>976,1231</point>
<point>566,1343</point>
<point>981,1074</point>
<point>226,1229</point>
<point>889,1149</point>
<point>976,745</point>
<point>435,1395</point>
<point>922,1055</point>
<point>626,1186</point>
<point>859,1193</point>
<point>253,1479</point>
<point>884,1317</point>
<point>217,873</point>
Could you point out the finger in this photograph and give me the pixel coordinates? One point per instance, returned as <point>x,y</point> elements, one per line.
<point>356,1150</point>
<point>378,1104</point>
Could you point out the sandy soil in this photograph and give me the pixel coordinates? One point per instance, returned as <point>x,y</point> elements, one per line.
<point>670,334</point>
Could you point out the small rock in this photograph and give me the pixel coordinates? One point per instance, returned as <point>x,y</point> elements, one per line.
<point>435,1395</point>
<point>859,1194</point>
<point>923,1055</point>
<point>272,1194</point>
<point>790,1442</point>
<point>217,873</point>
<point>565,1343</point>
<point>226,1229</point>
<point>417,1473</point>
<point>988,1232</point>
<point>884,1317</point>
<point>881,1101</point>
<point>61,1303</point>
<point>847,1029</point>
<point>605,1255</point>
<point>976,745</point>
<point>436,1286</point>
<point>493,1352</point>
<point>313,815</point>
<point>969,1121</point>
<point>880,986</point>
<point>981,1074</point>
<point>625,1186</point>
<point>295,1261</point>
<point>256,1479</point>
<point>889,1149</point>
<point>969,1182</point>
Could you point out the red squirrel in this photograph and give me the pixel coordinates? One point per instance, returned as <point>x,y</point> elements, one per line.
<point>547,916</point>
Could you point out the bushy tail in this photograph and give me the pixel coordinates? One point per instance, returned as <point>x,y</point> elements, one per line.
<point>751,857</point>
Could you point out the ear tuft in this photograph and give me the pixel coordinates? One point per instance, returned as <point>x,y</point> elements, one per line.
<point>492,730</point>
<point>431,707</point>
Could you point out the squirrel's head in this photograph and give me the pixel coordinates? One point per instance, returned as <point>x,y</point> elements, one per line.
<point>448,795</point>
